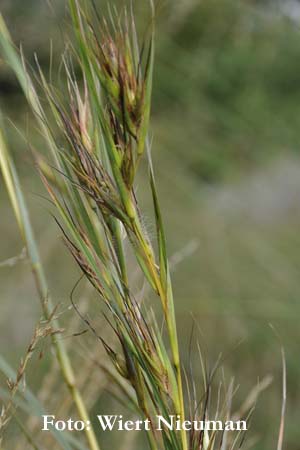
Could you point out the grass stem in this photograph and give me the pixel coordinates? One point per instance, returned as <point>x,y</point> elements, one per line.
<point>15,193</point>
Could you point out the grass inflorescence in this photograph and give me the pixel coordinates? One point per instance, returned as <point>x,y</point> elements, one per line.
<point>96,142</point>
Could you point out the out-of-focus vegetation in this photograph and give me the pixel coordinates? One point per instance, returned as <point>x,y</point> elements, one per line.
<point>226,150</point>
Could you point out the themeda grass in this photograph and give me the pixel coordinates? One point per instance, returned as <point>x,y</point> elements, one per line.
<point>99,136</point>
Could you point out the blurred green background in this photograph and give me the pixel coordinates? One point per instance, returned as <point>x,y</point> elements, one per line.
<point>226,147</point>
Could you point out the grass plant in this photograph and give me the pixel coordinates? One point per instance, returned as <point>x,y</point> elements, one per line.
<point>21,212</point>
<point>97,133</point>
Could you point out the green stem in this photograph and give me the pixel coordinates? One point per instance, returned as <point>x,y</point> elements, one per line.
<point>15,193</point>
<point>172,330</point>
<point>116,234</point>
<point>167,300</point>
